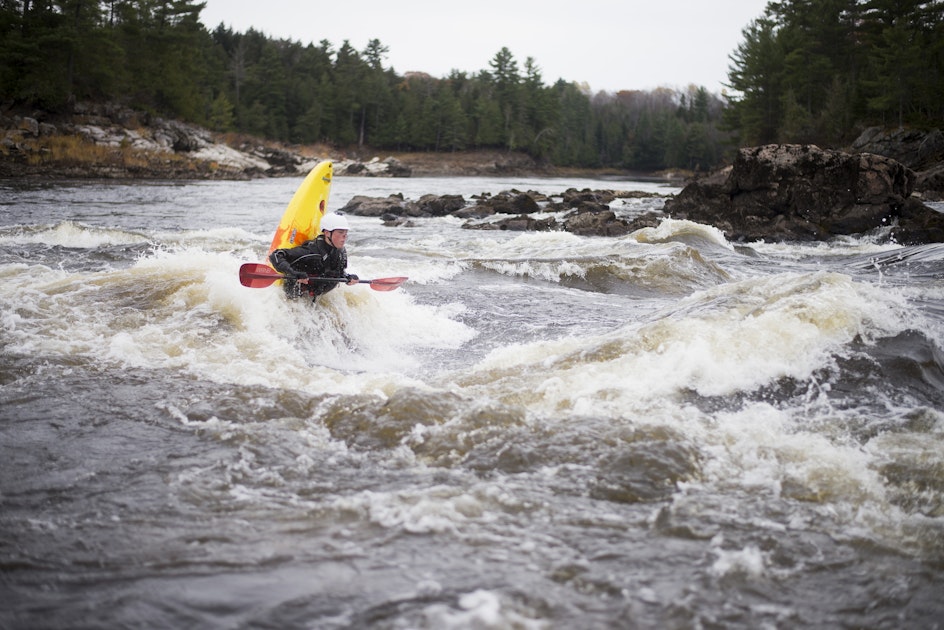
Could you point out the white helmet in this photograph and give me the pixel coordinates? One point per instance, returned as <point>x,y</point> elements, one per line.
<point>333,222</point>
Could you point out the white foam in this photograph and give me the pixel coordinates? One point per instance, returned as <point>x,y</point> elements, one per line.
<point>748,561</point>
<point>670,229</point>
<point>735,337</point>
<point>70,234</point>
<point>481,609</point>
<point>438,509</point>
<point>185,310</point>
<point>771,450</point>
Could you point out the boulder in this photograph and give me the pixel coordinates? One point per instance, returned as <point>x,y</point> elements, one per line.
<point>477,211</point>
<point>375,167</point>
<point>27,125</point>
<point>596,223</point>
<point>511,202</point>
<point>921,151</point>
<point>918,224</point>
<point>802,193</point>
<point>573,198</point>
<point>184,138</point>
<point>361,205</point>
<point>914,148</point>
<point>435,205</point>
<point>396,168</point>
<point>520,223</point>
<point>931,183</point>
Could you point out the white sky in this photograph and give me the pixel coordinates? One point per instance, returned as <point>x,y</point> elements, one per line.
<point>609,44</point>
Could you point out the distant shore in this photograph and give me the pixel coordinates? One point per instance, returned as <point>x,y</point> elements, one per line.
<point>118,163</point>
<point>105,141</point>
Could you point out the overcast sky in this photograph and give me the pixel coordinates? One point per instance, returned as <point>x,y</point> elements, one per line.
<point>609,44</point>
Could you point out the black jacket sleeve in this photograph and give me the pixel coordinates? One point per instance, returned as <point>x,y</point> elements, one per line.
<point>280,262</point>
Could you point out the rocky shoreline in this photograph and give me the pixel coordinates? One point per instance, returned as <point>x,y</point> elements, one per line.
<point>106,141</point>
<point>771,193</point>
<point>776,192</point>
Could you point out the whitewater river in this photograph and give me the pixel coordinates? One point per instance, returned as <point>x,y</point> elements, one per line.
<point>538,430</point>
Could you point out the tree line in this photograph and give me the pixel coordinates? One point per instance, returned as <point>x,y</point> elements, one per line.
<point>807,70</point>
<point>819,70</point>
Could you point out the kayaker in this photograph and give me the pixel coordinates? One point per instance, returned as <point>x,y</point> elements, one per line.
<point>321,257</point>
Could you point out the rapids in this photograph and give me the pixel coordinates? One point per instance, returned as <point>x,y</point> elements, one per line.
<point>538,430</point>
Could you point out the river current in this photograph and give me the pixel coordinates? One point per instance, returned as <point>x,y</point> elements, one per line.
<point>537,430</point>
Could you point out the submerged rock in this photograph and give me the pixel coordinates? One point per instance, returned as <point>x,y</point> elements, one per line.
<point>596,223</point>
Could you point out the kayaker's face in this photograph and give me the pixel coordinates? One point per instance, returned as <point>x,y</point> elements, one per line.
<point>336,238</point>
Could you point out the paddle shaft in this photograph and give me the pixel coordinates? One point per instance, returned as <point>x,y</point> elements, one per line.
<point>256,275</point>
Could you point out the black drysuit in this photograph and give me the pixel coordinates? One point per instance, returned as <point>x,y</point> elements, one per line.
<point>315,258</point>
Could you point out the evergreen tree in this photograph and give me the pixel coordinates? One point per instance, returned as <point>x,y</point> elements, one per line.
<point>797,126</point>
<point>834,120</point>
<point>755,75</point>
<point>488,129</point>
<point>896,57</point>
<point>507,90</point>
<point>375,91</point>
<point>221,116</point>
<point>347,106</point>
<point>575,146</point>
<point>538,113</point>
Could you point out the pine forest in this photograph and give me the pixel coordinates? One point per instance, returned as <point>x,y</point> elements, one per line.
<point>809,71</point>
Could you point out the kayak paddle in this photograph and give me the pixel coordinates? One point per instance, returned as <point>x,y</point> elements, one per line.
<point>257,275</point>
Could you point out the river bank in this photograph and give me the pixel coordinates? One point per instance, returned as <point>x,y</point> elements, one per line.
<point>882,182</point>
<point>102,141</point>
<point>58,157</point>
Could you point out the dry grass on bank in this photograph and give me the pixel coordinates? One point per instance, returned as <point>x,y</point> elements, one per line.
<point>73,154</point>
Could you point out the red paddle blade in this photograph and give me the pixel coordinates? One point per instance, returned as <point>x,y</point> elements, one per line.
<point>386,284</point>
<point>257,275</point>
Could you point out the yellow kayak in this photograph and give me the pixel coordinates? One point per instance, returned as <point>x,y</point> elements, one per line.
<point>302,217</point>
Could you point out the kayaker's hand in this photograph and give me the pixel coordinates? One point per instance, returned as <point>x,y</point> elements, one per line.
<point>351,278</point>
